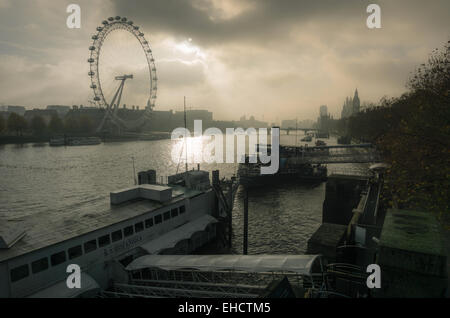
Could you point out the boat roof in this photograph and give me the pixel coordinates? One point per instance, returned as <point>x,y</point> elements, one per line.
<point>44,229</point>
<point>170,239</point>
<point>299,264</point>
<point>60,290</point>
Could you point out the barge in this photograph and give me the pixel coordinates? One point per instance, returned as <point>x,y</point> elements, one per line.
<point>102,239</point>
<point>292,167</point>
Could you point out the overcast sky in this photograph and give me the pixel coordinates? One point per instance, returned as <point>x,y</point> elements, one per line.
<point>275,59</point>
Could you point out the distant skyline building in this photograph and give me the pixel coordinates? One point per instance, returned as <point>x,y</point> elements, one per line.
<point>62,110</point>
<point>356,103</point>
<point>20,110</point>
<point>351,105</point>
<point>324,118</point>
<point>323,110</point>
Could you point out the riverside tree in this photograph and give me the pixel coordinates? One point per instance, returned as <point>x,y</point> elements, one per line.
<point>71,124</point>
<point>418,146</point>
<point>38,125</point>
<point>86,125</point>
<point>413,134</point>
<point>2,124</point>
<point>16,123</point>
<point>56,125</point>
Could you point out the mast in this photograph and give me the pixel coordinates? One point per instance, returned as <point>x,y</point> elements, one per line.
<point>185,138</point>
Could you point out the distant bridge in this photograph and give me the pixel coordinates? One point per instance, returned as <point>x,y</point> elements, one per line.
<point>359,153</point>
<point>356,153</point>
<point>296,129</point>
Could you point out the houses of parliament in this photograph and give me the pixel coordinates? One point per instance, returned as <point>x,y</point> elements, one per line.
<point>351,106</point>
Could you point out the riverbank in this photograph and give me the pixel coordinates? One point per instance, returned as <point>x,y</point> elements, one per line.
<point>5,140</point>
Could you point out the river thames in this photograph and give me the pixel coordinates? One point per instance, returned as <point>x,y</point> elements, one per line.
<point>39,179</point>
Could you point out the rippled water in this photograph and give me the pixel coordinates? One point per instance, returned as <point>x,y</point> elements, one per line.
<point>54,180</point>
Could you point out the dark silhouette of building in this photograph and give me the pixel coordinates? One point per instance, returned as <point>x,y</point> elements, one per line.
<point>351,106</point>
<point>356,103</point>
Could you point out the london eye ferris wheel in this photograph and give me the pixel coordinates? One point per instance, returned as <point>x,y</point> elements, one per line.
<point>121,55</point>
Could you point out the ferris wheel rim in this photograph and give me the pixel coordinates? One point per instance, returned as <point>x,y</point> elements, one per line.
<point>110,25</point>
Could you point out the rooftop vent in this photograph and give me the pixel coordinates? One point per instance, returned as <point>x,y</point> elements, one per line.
<point>145,191</point>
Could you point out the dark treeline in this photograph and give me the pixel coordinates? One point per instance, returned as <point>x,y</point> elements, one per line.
<point>413,134</point>
<point>17,125</point>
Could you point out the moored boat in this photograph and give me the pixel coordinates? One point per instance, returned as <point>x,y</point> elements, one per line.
<point>307,138</point>
<point>292,167</point>
<point>102,239</point>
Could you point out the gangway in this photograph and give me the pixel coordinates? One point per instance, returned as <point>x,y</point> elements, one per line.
<point>229,276</point>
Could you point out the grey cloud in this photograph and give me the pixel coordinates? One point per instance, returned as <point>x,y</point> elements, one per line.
<point>280,57</point>
<point>174,73</point>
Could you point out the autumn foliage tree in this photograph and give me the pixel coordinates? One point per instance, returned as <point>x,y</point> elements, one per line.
<point>418,146</point>
<point>413,134</point>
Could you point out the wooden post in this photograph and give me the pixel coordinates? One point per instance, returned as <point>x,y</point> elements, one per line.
<point>230,215</point>
<point>245,247</point>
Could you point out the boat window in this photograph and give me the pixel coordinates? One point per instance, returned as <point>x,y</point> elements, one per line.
<point>182,209</point>
<point>75,252</point>
<point>158,219</point>
<point>174,212</point>
<point>90,246</point>
<point>116,236</point>
<point>166,215</point>
<point>103,240</point>
<point>128,231</point>
<point>138,227</point>
<point>19,272</point>
<point>149,223</point>
<point>58,258</point>
<point>39,265</point>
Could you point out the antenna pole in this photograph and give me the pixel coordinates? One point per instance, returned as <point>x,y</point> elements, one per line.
<point>185,138</point>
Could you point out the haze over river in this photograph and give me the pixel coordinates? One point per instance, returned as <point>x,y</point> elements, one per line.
<point>37,178</point>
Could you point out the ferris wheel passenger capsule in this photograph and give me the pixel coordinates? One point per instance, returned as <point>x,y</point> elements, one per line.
<point>110,19</point>
<point>99,29</point>
<point>92,48</point>
<point>117,18</point>
<point>124,19</point>
<point>141,34</point>
<point>105,22</point>
<point>91,73</point>
<point>96,98</point>
<point>94,37</point>
<point>91,60</point>
<point>93,86</point>
<point>130,22</point>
